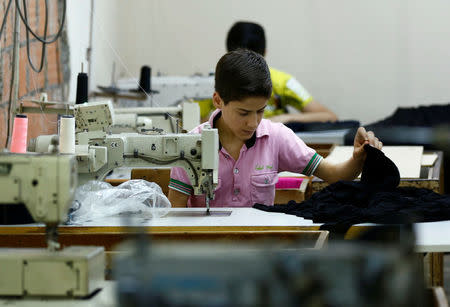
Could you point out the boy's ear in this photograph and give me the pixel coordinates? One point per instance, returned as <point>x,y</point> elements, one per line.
<point>217,101</point>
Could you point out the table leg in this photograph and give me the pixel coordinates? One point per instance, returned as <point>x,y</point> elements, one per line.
<point>434,268</point>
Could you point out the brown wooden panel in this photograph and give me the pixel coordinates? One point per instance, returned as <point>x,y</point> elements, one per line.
<point>159,176</point>
<point>437,269</point>
<point>111,236</point>
<point>322,149</point>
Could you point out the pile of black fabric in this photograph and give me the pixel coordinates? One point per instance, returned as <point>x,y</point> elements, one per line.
<point>421,116</point>
<point>408,126</point>
<point>374,199</point>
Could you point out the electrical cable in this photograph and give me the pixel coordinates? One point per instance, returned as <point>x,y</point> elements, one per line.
<point>41,65</point>
<point>4,18</point>
<point>159,162</point>
<point>8,115</point>
<point>25,21</point>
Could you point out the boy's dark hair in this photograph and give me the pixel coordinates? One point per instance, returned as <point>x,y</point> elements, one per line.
<point>242,73</point>
<point>246,35</point>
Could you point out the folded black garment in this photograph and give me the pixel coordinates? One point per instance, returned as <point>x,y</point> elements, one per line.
<point>422,116</point>
<point>322,126</point>
<point>408,126</point>
<point>374,199</point>
<point>398,135</point>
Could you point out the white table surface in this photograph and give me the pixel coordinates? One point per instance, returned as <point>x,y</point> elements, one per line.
<point>433,237</point>
<point>238,217</point>
<point>430,237</point>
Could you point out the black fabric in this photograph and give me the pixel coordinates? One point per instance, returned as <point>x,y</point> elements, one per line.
<point>408,125</point>
<point>422,116</point>
<point>374,199</point>
<point>321,126</point>
<point>413,126</point>
<point>380,174</point>
<point>14,215</point>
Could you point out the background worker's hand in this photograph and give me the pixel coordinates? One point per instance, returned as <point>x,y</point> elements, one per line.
<point>282,118</point>
<point>362,138</point>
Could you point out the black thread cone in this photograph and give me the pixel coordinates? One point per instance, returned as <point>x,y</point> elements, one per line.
<point>145,80</point>
<point>82,88</point>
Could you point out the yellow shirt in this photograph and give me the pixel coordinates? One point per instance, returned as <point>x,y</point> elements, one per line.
<point>286,90</point>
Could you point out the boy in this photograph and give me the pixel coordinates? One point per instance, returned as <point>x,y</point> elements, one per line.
<point>253,150</point>
<point>290,101</point>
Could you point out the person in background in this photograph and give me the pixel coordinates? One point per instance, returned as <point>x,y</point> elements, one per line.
<point>252,150</point>
<point>289,101</point>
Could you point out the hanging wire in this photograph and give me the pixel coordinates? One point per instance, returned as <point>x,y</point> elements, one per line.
<point>43,40</point>
<point>4,18</point>
<point>41,65</point>
<point>8,115</point>
<point>1,31</point>
<point>44,117</point>
<point>98,25</point>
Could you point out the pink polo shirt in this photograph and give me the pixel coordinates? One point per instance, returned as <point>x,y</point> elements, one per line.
<point>252,178</point>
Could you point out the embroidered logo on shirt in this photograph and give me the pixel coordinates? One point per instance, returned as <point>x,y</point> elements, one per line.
<point>259,167</point>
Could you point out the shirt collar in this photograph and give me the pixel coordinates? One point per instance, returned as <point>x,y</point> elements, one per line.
<point>260,131</point>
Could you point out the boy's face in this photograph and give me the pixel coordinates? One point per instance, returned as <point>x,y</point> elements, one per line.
<point>241,117</point>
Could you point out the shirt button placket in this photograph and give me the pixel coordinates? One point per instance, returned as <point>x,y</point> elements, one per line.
<point>236,190</point>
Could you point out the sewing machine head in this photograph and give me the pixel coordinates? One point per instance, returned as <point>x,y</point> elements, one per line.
<point>99,153</point>
<point>196,153</point>
<point>37,188</point>
<point>44,183</point>
<point>185,116</point>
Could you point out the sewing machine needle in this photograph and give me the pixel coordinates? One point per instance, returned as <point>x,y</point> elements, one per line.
<point>207,206</point>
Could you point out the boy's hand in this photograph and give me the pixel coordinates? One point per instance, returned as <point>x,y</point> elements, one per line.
<point>362,138</point>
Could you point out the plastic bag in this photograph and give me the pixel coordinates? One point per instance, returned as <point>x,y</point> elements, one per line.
<point>98,199</point>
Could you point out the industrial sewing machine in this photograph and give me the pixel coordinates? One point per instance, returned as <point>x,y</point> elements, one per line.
<point>185,115</point>
<point>45,184</point>
<point>98,152</point>
<point>165,118</point>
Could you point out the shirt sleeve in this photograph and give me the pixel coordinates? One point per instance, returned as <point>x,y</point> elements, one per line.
<point>295,94</point>
<point>206,107</point>
<point>179,181</point>
<point>294,155</point>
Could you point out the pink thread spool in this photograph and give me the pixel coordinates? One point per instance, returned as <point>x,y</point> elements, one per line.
<point>19,135</point>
